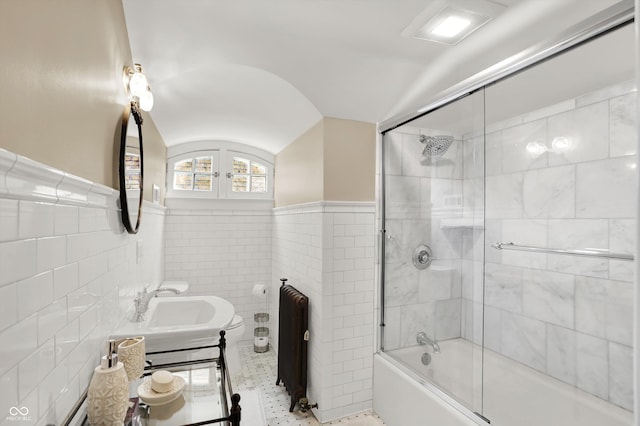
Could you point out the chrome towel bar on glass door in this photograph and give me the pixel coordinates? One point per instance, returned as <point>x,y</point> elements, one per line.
<point>587,252</point>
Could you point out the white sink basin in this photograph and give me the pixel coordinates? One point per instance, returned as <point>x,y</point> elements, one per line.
<point>180,322</point>
<point>182,312</point>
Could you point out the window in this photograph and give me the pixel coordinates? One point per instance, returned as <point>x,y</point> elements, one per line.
<point>220,173</point>
<point>248,176</point>
<point>194,174</point>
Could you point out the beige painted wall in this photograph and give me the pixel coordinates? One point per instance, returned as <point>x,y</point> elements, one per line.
<point>61,85</point>
<point>155,158</point>
<point>299,169</point>
<point>333,161</point>
<point>349,160</point>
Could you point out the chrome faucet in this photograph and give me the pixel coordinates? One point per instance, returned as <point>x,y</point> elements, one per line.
<point>423,339</point>
<point>141,302</point>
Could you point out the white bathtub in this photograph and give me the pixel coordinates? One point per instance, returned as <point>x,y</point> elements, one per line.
<point>513,394</point>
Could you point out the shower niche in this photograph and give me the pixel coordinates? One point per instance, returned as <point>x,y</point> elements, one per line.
<point>544,159</point>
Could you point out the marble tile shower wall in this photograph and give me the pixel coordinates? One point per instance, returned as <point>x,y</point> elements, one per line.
<point>326,250</point>
<point>68,275</point>
<point>568,317</point>
<point>423,201</point>
<point>221,253</point>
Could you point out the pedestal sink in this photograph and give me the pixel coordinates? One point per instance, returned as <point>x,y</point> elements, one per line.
<point>180,322</point>
<point>186,312</point>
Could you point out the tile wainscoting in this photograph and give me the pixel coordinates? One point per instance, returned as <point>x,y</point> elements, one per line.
<point>220,251</point>
<point>326,250</point>
<point>68,276</point>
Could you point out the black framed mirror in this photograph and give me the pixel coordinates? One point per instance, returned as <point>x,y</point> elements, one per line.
<point>131,168</point>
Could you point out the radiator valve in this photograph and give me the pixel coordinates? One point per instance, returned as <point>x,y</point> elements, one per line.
<point>304,405</point>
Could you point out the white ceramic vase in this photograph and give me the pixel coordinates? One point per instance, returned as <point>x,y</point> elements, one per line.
<point>108,396</point>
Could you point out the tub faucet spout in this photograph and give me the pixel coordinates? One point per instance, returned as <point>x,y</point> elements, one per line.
<point>423,339</point>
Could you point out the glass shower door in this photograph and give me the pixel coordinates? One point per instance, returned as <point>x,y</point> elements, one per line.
<point>509,218</point>
<point>434,247</point>
<point>561,177</point>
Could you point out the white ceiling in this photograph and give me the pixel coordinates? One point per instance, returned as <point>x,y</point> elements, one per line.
<point>262,72</point>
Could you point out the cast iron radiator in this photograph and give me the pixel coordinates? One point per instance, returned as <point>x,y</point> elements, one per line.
<point>292,342</point>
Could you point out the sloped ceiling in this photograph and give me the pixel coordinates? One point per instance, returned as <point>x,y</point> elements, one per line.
<point>262,72</point>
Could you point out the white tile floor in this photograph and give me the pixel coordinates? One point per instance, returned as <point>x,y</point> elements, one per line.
<point>259,371</point>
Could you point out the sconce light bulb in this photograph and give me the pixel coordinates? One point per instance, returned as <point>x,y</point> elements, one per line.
<point>145,100</point>
<point>138,84</point>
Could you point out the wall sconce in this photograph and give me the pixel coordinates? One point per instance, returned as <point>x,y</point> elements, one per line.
<point>137,87</point>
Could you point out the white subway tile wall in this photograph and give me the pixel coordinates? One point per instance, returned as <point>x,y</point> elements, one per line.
<point>298,256</point>
<point>66,282</point>
<point>221,253</point>
<point>326,250</point>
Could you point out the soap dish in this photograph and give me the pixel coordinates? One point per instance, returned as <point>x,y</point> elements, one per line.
<point>153,398</point>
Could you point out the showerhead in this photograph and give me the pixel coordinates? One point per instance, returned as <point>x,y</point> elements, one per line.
<point>435,146</point>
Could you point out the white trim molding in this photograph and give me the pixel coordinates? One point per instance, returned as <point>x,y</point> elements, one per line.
<point>7,160</point>
<point>328,207</point>
<point>73,190</point>
<point>104,196</point>
<point>24,179</point>
<point>153,208</point>
<point>217,204</point>
<point>28,179</point>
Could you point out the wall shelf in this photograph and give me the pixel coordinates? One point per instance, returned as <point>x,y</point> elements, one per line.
<point>462,222</point>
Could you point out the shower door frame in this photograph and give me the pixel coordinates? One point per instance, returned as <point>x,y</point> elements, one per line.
<point>604,22</point>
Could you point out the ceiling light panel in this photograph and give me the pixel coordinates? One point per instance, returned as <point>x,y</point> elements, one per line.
<point>451,26</point>
<point>451,21</point>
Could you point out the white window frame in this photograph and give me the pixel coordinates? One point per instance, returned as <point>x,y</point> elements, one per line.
<point>228,187</point>
<point>191,193</point>
<point>223,153</point>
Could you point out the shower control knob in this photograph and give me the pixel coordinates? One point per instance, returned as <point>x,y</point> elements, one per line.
<point>422,256</point>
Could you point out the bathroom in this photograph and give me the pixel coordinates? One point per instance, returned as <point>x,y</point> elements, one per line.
<point>68,269</point>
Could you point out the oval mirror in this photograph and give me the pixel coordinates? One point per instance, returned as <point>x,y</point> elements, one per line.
<point>131,168</point>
